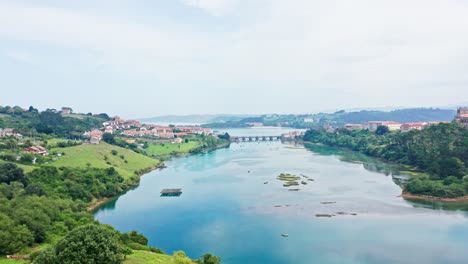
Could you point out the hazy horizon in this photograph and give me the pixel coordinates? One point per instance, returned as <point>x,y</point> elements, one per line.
<point>182,57</point>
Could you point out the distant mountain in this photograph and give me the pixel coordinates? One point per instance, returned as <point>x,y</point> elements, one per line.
<point>340,118</point>
<point>401,115</point>
<point>194,118</point>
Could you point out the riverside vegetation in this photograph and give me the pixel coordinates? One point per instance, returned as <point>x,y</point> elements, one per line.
<point>45,200</point>
<point>440,151</point>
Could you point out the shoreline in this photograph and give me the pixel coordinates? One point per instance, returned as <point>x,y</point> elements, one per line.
<point>103,201</point>
<point>433,198</point>
<point>411,171</point>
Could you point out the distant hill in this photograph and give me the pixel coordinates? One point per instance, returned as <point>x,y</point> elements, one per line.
<point>194,118</point>
<point>402,115</point>
<point>340,118</point>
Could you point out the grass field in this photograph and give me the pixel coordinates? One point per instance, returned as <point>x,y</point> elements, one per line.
<point>82,155</point>
<point>147,257</point>
<point>168,148</point>
<point>13,261</point>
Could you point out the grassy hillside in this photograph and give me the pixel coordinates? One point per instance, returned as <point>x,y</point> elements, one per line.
<point>96,155</point>
<point>11,261</point>
<point>144,257</point>
<point>168,148</point>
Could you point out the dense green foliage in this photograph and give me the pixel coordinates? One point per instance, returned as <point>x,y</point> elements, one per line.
<point>50,121</point>
<point>75,183</point>
<point>207,143</point>
<point>225,136</point>
<point>48,204</point>
<point>441,150</point>
<point>98,244</point>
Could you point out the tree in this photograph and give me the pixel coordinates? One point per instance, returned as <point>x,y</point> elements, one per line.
<point>46,257</point>
<point>179,257</point>
<point>27,158</point>
<point>451,167</point>
<point>210,259</point>
<point>104,116</point>
<point>108,138</point>
<point>35,219</point>
<point>226,136</point>
<point>13,237</point>
<point>11,144</point>
<point>10,172</point>
<point>382,130</point>
<point>97,244</point>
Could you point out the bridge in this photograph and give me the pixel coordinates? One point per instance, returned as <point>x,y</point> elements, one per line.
<point>255,138</point>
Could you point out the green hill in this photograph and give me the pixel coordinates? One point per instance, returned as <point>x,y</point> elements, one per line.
<point>101,156</point>
<point>144,257</point>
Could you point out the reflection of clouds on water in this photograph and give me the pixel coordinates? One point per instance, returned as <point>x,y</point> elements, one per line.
<point>364,208</point>
<point>341,189</point>
<point>218,179</point>
<point>401,252</point>
<point>230,212</point>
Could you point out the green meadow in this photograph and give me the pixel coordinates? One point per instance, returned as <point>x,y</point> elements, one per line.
<point>147,257</point>
<point>125,161</point>
<point>169,148</point>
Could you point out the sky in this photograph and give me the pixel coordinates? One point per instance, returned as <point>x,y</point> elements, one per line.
<point>157,57</point>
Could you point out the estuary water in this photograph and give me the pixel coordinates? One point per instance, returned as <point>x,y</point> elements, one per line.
<point>234,207</point>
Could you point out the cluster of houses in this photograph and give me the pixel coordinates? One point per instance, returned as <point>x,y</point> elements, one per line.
<point>461,118</point>
<point>94,136</point>
<point>37,150</point>
<point>132,128</point>
<point>392,126</point>
<point>9,132</point>
<point>120,124</point>
<point>165,131</point>
<point>292,134</point>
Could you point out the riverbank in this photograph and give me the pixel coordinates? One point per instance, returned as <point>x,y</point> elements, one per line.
<point>409,170</point>
<point>140,173</point>
<point>134,182</point>
<point>407,195</point>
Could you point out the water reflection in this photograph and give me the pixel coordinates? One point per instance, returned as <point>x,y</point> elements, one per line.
<point>369,163</point>
<point>226,209</point>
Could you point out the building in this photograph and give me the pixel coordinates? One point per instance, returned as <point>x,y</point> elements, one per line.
<point>67,110</point>
<point>308,120</point>
<point>37,150</point>
<point>462,116</point>
<point>413,126</point>
<point>109,130</point>
<point>353,126</point>
<point>373,125</point>
<point>9,132</point>
<point>94,136</point>
<point>178,140</point>
<point>95,140</point>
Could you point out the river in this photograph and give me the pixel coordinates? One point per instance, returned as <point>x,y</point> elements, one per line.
<point>234,207</point>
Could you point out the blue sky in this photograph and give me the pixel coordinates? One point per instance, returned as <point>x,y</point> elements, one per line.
<point>148,58</point>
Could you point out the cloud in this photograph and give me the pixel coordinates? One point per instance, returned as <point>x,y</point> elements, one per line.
<point>328,51</point>
<point>214,7</point>
<point>20,56</point>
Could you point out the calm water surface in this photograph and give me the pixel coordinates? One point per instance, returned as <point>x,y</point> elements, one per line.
<point>227,209</point>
